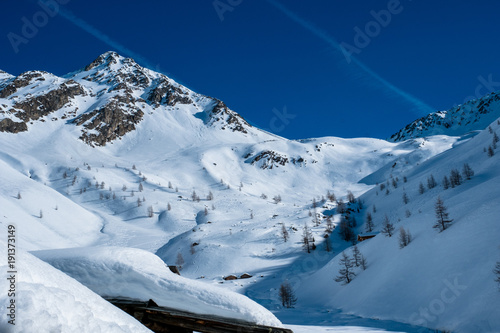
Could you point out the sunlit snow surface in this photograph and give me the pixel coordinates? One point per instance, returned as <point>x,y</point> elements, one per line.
<point>138,274</point>
<point>109,245</point>
<point>49,301</point>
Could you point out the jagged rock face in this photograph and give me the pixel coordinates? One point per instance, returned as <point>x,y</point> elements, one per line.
<point>128,74</point>
<point>39,106</point>
<point>165,93</point>
<point>10,126</point>
<point>35,107</point>
<point>21,81</point>
<point>473,115</point>
<point>111,121</point>
<point>484,106</point>
<point>231,120</point>
<point>106,58</point>
<point>269,159</point>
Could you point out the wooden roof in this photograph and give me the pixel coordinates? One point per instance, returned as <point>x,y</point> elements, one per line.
<point>162,319</point>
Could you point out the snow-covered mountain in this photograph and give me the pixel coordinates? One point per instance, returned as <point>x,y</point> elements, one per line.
<point>471,116</point>
<point>125,166</point>
<point>442,280</point>
<point>108,99</point>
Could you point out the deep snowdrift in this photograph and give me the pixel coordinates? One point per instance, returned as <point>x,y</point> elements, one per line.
<point>50,301</point>
<point>133,273</point>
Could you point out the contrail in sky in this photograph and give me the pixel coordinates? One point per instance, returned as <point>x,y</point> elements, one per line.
<point>107,40</point>
<point>101,36</point>
<point>419,106</point>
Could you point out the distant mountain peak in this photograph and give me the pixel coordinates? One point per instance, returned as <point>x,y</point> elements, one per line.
<point>473,115</point>
<point>107,59</point>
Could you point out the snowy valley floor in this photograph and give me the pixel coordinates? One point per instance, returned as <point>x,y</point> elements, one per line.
<point>312,320</point>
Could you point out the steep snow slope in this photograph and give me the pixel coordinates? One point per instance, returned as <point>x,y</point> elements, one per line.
<point>63,223</point>
<point>440,280</point>
<point>473,115</point>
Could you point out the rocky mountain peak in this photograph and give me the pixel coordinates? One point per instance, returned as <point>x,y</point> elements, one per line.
<point>107,99</point>
<point>106,59</point>
<point>112,69</point>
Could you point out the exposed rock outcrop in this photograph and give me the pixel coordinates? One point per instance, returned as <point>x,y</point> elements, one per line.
<point>39,106</point>
<point>129,72</point>
<point>229,119</point>
<point>21,81</point>
<point>270,159</point>
<point>109,122</point>
<point>108,59</point>
<point>166,93</point>
<point>10,126</point>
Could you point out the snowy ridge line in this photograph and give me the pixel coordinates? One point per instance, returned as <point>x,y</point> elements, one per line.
<point>473,115</point>
<point>109,99</point>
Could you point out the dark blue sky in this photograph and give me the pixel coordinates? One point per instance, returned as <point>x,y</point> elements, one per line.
<point>276,62</point>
